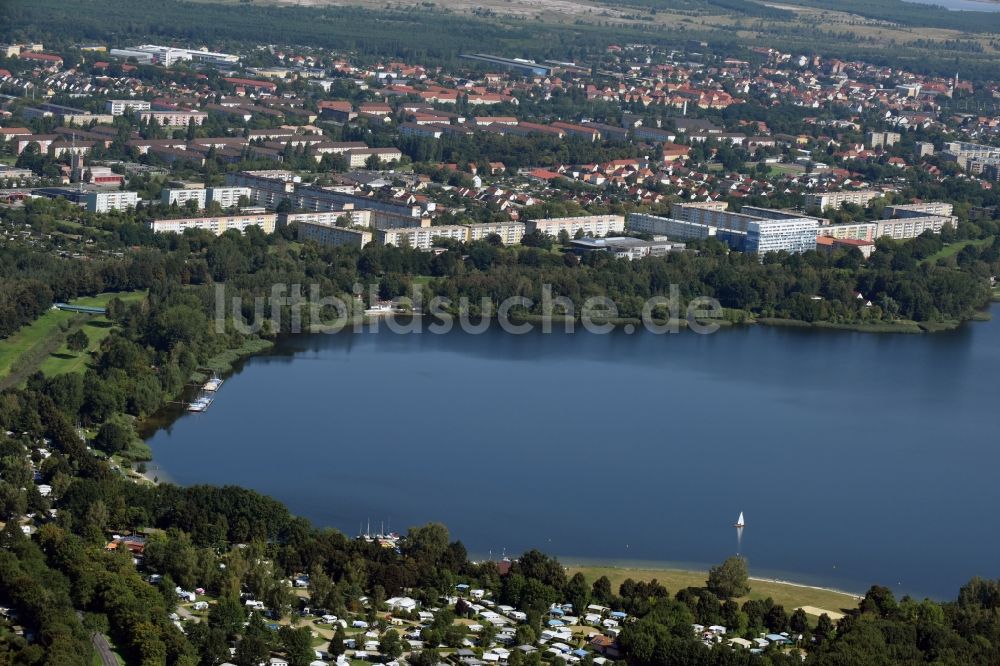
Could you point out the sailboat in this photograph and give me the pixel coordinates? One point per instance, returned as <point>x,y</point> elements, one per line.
<point>739,521</point>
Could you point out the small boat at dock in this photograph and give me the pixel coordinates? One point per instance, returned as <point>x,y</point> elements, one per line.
<point>200,404</point>
<point>213,384</point>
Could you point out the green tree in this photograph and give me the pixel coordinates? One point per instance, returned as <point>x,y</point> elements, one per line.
<point>730,579</point>
<point>390,645</point>
<point>115,435</point>
<point>337,642</point>
<point>77,341</point>
<point>297,644</point>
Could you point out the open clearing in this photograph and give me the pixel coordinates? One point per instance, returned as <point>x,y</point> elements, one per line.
<point>41,345</point>
<point>789,595</point>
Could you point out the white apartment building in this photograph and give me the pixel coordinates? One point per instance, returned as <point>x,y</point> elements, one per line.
<point>116,107</point>
<point>181,196</point>
<point>227,197</point>
<point>854,231</point>
<point>325,234</point>
<point>594,225</point>
<point>510,233</point>
<point>421,238</point>
<point>824,200</point>
<point>919,209</point>
<point>103,202</point>
<point>217,224</point>
<point>174,118</point>
<point>910,227</point>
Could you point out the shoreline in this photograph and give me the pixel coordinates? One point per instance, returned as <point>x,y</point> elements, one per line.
<point>693,569</point>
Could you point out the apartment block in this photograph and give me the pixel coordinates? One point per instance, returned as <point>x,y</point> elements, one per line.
<point>104,202</point>
<point>217,224</point>
<point>919,209</point>
<point>325,234</point>
<point>174,118</point>
<point>227,197</point>
<point>593,225</point>
<point>911,227</point>
<point>421,238</point>
<point>117,107</point>
<point>825,200</point>
<point>510,233</point>
<point>864,231</point>
<point>180,196</point>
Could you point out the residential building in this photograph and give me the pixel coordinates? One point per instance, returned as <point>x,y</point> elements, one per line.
<point>882,139</point>
<point>591,225</point>
<point>180,196</point>
<point>326,234</point>
<point>510,233</point>
<point>919,209</point>
<point>421,238</point>
<point>104,202</point>
<point>227,197</point>
<point>217,224</point>
<point>177,118</point>
<point>117,107</point>
<point>910,227</point>
<point>864,231</point>
<point>825,200</point>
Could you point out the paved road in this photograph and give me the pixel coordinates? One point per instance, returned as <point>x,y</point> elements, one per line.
<point>104,649</point>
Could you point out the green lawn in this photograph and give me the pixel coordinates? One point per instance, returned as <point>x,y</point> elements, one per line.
<point>952,249</point>
<point>42,343</point>
<point>788,595</point>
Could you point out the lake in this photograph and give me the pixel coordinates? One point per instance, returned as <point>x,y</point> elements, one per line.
<point>857,458</point>
<point>962,5</point>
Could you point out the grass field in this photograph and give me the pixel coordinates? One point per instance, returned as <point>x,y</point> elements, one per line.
<point>787,594</point>
<point>952,249</point>
<point>41,345</point>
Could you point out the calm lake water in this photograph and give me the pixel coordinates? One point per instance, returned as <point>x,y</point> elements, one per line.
<point>856,458</point>
<point>962,5</point>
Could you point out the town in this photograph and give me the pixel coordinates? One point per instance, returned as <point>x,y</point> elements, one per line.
<point>796,188</point>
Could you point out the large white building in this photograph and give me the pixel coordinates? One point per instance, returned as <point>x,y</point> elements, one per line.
<point>592,225</point>
<point>217,224</point>
<point>510,233</point>
<point>152,54</point>
<point>421,238</point>
<point>180,196</point>
<point>824,200</point>
<point>901,228</point>
<point>174,118</point>
<point>227,197</point>
<point>104,202</point>
<point>670,227</point>
<point>741,231</point>
<point>116,107</point>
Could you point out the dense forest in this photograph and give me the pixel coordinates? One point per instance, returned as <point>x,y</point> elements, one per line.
<point>415,33</point>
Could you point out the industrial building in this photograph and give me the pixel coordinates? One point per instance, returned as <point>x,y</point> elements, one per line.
<point>519,65</point>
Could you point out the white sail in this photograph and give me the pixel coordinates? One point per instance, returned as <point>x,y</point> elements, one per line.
<point>739,521</point>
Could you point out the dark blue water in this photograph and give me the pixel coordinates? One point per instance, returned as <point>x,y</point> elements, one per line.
<point>856,458</point>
